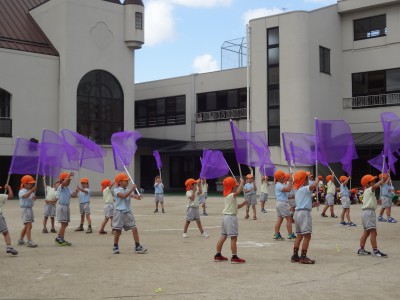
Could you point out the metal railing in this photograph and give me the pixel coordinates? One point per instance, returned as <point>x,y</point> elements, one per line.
<point>5,127</point>
<point>221,115</point>
<point>372,101</point>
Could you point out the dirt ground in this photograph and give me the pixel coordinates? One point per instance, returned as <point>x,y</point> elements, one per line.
<point>178,268</point>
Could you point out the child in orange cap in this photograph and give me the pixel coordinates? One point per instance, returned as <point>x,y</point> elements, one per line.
<point>158,193</point>
<point>303,218</point>
<point>229,226</point>
<point>250,190</point>
<point>330,196</point>
<point>345,200</point>
<point>49,210</point>
<point>106,185</point>
<point>26,200</point>
<point>368,215</point>
<point>84,204</point>
<point>193,187</point>
<point>386,199</point>
<point>3,224</point>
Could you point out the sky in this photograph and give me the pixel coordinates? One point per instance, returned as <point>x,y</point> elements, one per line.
<point>185,36</point>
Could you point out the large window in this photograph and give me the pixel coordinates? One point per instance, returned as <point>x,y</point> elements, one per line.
<point>160,112</point>
<point>370,27</point>
<point>100,106</point>
<point>324,60</point>
<point>222,100</point>
<point>376,82</point>
<point>5,114</point>
<point>139,20</point>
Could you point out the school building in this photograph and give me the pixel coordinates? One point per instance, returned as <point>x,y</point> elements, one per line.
<point>63,64</point>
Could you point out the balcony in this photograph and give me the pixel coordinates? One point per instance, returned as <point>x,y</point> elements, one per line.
<point>220,115</point>
<point>5,127</point>
<point>372,101</point>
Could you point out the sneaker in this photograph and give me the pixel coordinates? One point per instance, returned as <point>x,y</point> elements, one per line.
<point>381,219</point>
<point>21,242</point>
<point>101,231</point>
<point>295,258</point>
<point>115,250</point>
<point>62,242</point>
<point>205,234</point>
<point>89,230</point>
<point>80,228</point>
<point>278,237</point>
<point>163,211</point>
<point>31,244</point>
<point>263,211</point>
<point>351,224</point>
<point>324,215</point>
<point>140,249</point>
<point>391,220</point>
<point>53,230</point>
<point>205,214</point>
<point>45,230</point>
<point>305,260</point>
<point>363,252</point>
<point>334,216</point>
<point>291,236</point>
<point>12,251</point>
<point>237,260</point>
<point>184,235</point>
<point>156,210</point>
<point>220,258</point>
<point>343,223</point>
<point>378,253</point>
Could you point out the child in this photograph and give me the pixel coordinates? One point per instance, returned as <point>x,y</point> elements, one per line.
<point>264,192</point>
<point>123,216</point>
<point>396,198</point>
<point>84,204</point>
<point>26,201</point>
<point>386,199</point>
<point>282,205</point>
<point>353,196</point>
<point>193,187</point>
<point>202,197</point>
<point>64,195</point>
<point>50,205</point>
<point>303,218</point>
<point>250,195</point>
<point>368,215</point>
<point>229,227</point>
<point>345,199</point>
<point>330,196</point>
<point>108,204</point>
<point>3,224</point>
<point>158,193</point>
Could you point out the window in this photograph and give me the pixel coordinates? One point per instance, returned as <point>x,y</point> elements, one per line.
<point>222,100</point>
<point>160,112</point>
<point>100,106</point>
<point>139,20</point>
<point>324,60</point>
<point>5,114</point>
<point>376,82</point>
<point>370,27</point>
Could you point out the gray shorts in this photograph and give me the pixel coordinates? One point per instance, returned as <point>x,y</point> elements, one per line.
<point>292,202</point>
<point>3,224</point>
<point>345,201</point>
<point>229,226</point>
<point>303,221</point>
<point>263,197</point>
<point>84,208</point>
<point>368,219</point>
<point>282,209</point>
<point>386,202</point>
<point>192,214</point>
<point>201,199</point>
<point>159,198</point>
<point>251,199</point>
<point>49,210</point>
<point>108,210</point>
<point>123,220</point>
<point>27,215</point>
<point>63,214</point>
<point>329,199</point>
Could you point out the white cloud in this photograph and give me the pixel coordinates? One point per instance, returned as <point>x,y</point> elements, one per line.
<point>205,63</point>
<point>260,12</point>
<point>159,23</point>
<point>201,3</point>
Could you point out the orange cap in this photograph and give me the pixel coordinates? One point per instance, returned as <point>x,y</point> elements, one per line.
<point>249,176</point>
<point>398,192</point>
<point>342,178</point>
<point>287,176</point>
<point>384,176</point>
<point>319,177</point>
<point>367,179</point>
<point>229,183</point>
<point>121,176</point>
<point>188,183</point>
<point>299,178</point>
<point>278,175</point>
<point>353,191</point>
<point>26,179</point>
<point>63,175</point>
<point>328,178</point>
<point>84,180</point>
<point>105,183</point>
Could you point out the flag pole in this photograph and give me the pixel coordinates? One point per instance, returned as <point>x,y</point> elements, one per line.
<point>126,170</point>
<point>383,168</point>
<point>316,156</point>
<point>234,141</point>
<point>8,179</point>
<point>334,174</point>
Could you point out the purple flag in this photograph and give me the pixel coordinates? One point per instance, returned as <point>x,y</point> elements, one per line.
<point>158,159</point>
<point>25,159</point>
<point>267,169</point>
<point>379,161</point>
<point>299,148</point>
<point>251,148</point>
<point>391,131</point>
<point>90,154</point>
<point>213,164</point>
<point>335,143</point>
<point>124,148</point>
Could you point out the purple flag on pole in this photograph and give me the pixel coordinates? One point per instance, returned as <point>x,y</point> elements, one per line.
<point>213,164</point>
<point>124,148</point>
<point>391,131</point>
<point>158,159</point>
<point>378,161</point>
<point>299,148</point>
<point>267,169</point>
<point>335,143</point>
<point>25,159</point>
<point>90,154</point>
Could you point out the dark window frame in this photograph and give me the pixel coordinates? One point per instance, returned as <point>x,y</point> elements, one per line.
<point>370,32</point>
<point>325,60</point>
<point>139,20</point>
<point>5,114</point>
<point>221,100</point>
